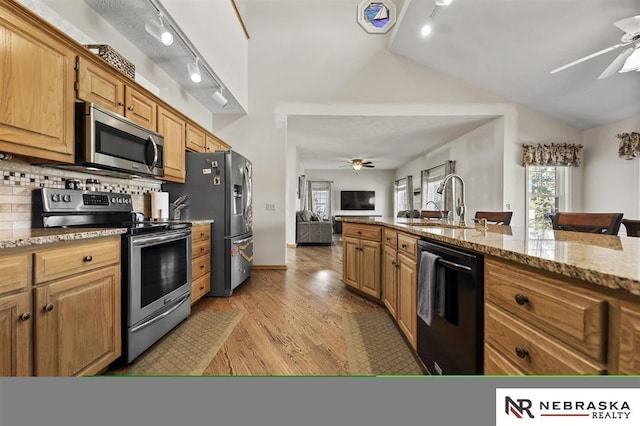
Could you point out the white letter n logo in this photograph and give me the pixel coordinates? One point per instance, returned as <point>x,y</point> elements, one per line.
<point>517,409</point>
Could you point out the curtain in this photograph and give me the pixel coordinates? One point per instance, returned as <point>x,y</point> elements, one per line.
<point>302,192</point>
<point>555,154</point>
<point>629,145</point>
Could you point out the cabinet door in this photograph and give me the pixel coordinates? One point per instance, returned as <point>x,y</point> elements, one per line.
<point>77,324</point>
<point>370,253</point>
<point>15,335</point>
<point>212,143</point>
<point>99,86</point>
<point>172,127</point>
<point>140,108</point>
<point>36,92</point>
<point>350,251</point>
<point>195,138</point>
<point>407,299</point>
<point>389,281</point>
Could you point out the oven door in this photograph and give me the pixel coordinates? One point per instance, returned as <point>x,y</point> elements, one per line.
<point>159,272</point>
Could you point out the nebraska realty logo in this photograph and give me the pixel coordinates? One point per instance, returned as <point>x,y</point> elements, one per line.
<point>600,406</point>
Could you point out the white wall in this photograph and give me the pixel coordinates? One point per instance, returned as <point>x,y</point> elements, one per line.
<point>611,184</point>
<point>326,57</point>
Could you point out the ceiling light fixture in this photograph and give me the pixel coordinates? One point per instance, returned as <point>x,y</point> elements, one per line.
<point>159,31</point>
<point>194,71</point>
<point>427,28</point>
<point>219,98</point>
<point>633,62</point>
<point>357,166</point>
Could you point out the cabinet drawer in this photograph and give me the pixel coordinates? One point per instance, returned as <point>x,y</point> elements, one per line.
<point>62,261</point>
<point>365,232</point>
<point>200,248</point>
<point>391,237</point>
<point>200,287</point>
<point>200,265</point>
<point>200,233</point>
<point>14,270</point>
<point>625,345</point>
<point>497,365</point>
<point>574,316</point>
<point>408,245</point>
<point>538,353</point>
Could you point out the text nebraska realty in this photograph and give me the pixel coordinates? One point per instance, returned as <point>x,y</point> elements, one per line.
<point>598,409</point>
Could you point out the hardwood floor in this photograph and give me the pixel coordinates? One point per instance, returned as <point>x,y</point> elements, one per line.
<point>293,319</point>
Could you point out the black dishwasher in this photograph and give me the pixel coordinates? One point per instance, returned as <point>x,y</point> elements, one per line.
<point>453,344</point>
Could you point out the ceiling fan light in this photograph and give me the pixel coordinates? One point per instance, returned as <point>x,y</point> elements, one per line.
<point>357,166</point>
<point>633,62</point>
<point>426,30</point>
<point>443,2</point>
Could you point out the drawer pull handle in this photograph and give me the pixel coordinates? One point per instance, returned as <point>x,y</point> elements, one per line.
<point>404,246</point>
<point>201,287</point>
<point>521,352</point>
<point>521,299</point>
<point>393,262</point>
<point>48,307</point>
<point>359,232</point>
<point>25,316</point>
<point>202,234</point>
<point>87,258</point>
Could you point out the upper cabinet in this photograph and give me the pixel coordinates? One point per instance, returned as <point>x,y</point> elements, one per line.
<point>36,93</point>
<point>195,138</point>
<point>173,128</point>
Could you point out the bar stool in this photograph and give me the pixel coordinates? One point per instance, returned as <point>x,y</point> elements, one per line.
<point>498,218</point>
<point>596,223</point>
<point>632,226</point>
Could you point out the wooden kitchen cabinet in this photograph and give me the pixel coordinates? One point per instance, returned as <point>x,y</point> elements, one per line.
<point>400,279</point>
<point>201,261</point>
<point>36,94</point>
<point>106,88</point>
<point>173,127</point>
<point>362,258</point>
<point>16,321</point>
<point>624,344</point>
<point>213,143</point>
<point>195,138</point>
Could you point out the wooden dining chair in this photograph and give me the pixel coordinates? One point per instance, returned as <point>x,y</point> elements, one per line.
<point>434,214</point>
<point>632,226</point>
<point>596,223</point>
<point>497,218</point>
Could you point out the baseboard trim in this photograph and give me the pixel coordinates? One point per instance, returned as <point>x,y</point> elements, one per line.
<point>289,245</point>
<point>270,267</point>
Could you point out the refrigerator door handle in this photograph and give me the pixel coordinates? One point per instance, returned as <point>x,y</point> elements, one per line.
<point>244,240</point>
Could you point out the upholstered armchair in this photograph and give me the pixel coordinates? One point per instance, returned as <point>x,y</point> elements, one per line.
<point>310,229</point>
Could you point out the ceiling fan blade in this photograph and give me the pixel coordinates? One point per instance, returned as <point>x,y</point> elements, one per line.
<point>617,63</point>
<point>586,58</point>
<point>371,166</point>
<point>367,162</point>
<point>629,25</point>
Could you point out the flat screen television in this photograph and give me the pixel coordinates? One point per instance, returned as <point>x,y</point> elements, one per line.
<point>357,200</point>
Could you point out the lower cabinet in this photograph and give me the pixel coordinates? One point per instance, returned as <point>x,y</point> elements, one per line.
<point>407,298</point>
<point>15,335</point>
<point>200,262</point>
<point>77,324</point>
<point>362,265</point>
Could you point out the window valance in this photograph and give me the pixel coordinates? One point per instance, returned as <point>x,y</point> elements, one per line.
<point>629,145</point>
<point>554,154</point>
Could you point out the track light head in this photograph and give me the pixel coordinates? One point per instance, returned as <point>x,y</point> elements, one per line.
<point>443,2</point>
<point>219,99</point>
<point>194,71</point>
<point>159,31</point>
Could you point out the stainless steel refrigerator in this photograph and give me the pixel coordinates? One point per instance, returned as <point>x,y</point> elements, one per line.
<point>218,186</point>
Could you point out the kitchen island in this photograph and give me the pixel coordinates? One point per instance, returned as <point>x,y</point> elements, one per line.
<point>556,302</point>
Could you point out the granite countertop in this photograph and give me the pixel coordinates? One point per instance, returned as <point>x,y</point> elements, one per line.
<point>36,236</point>
<point>605,260</point>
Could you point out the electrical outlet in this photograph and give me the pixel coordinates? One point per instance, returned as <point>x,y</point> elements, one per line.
<point>270,206</point>
<point>508,206</point>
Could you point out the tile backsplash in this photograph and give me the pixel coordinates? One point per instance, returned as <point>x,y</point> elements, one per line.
<point>19,179</point>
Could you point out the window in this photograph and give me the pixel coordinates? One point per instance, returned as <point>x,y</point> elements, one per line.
<point>403,199</point>
<point>320,198</point>
<point>431,179</point>
<point>546,194</point>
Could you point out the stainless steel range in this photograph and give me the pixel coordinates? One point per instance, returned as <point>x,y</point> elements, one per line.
<point>156,260</point>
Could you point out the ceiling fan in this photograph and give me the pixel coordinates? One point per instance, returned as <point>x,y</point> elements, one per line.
<point>358,163</point>
<point>629,60</point>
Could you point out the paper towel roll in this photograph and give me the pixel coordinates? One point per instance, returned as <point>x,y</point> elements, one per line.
<point>160,205</point>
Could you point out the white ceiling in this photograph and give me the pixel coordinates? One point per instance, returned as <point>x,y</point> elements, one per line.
<point>506,47</point>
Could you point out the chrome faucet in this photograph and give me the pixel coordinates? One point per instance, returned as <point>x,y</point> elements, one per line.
<point>437,207</point>
<point>460,207</point>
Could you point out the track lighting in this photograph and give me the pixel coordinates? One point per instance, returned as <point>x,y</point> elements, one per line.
<point>194,71</point>
<point>426,29</point>
<point>443,2</point>
<point>159,31</point>
<point>219,98</point>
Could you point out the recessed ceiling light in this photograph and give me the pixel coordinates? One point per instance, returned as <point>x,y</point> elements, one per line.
<point>426,30</point>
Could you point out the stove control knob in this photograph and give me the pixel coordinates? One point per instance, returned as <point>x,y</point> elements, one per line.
<point>113,200</point>
<point>119,200</point>
<point>66,198</point>
<point>55,197</point>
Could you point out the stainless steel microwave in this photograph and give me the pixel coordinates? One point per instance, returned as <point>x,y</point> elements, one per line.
<point>108,141</point>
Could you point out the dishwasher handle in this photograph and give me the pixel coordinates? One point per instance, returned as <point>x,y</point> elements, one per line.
<point>454,265</point>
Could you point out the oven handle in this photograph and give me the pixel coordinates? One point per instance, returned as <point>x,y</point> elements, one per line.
<point>162,239</point>
<point>453,265</point>
<point>159,317</point>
